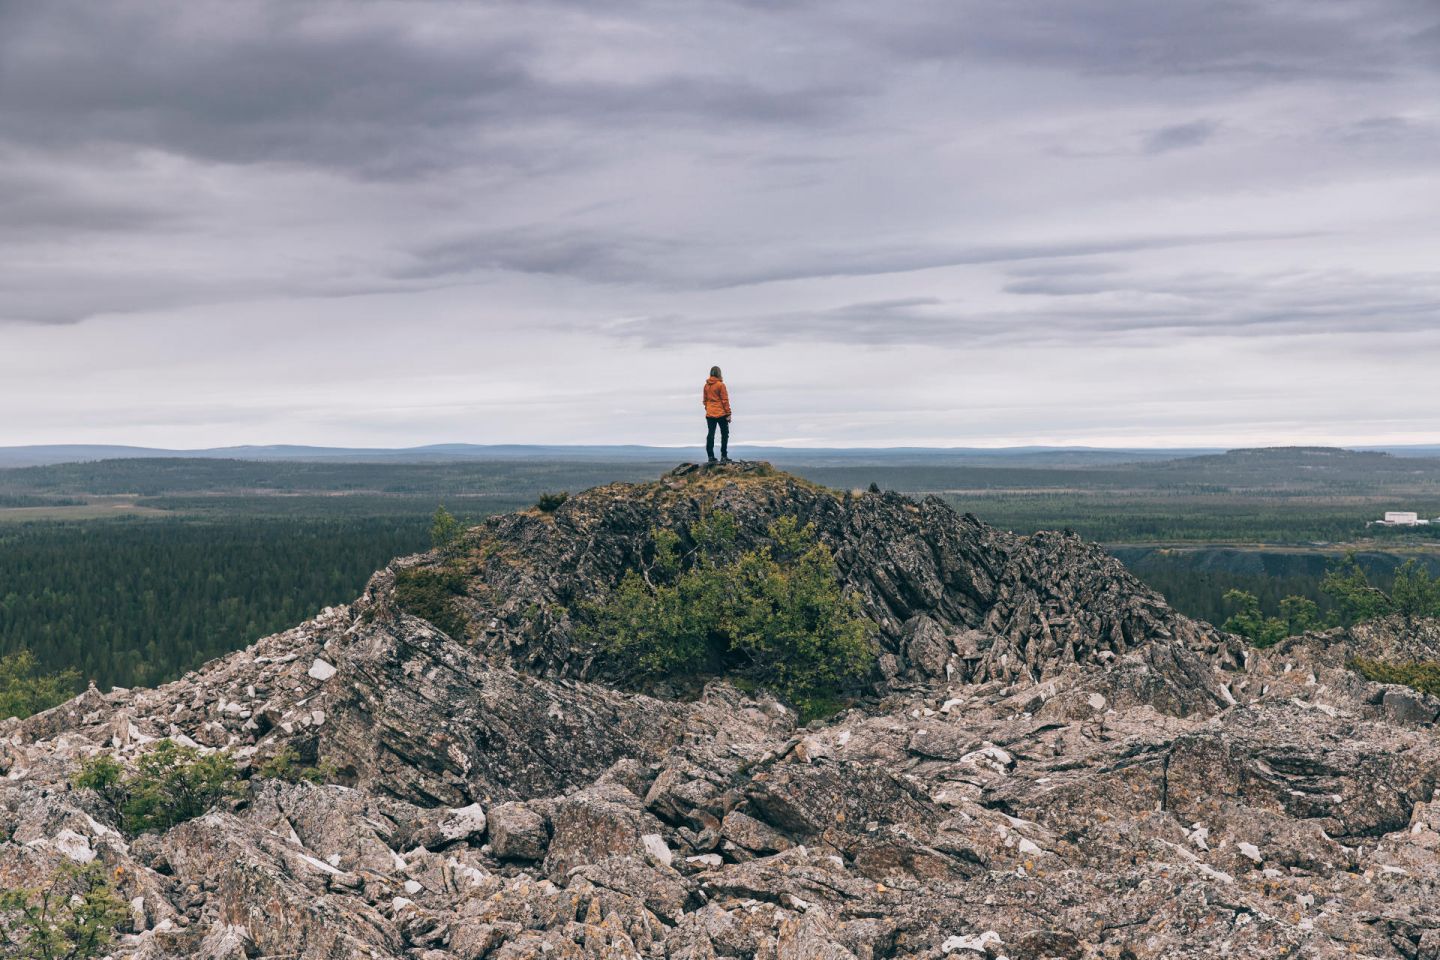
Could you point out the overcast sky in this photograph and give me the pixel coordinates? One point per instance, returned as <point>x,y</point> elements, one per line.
<point>952,222</point>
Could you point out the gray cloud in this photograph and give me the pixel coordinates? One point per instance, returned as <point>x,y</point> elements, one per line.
<point>400,90</point>
<point>1133,310</point>
<point>1392,133</point>
<point>1281,41</point>
<point>601,258</point>
<point>32,207</point>
<point>357,86</point>
<point>153,74</point>
<point>1180,136</point>
<point>279,206</point>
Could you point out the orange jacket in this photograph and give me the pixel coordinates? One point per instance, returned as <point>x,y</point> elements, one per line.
<point>716,400</point>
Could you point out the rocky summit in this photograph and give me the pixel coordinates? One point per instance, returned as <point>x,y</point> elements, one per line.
<point>1046,762</point>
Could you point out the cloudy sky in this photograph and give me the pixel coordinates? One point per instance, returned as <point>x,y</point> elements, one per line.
<point>953,222</point>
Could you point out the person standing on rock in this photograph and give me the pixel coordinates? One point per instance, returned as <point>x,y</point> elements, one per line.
<point>717,414</point>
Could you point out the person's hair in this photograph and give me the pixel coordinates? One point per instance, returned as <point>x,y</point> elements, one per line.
<point>714,371</point>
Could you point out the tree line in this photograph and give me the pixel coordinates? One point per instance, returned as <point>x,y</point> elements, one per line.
<point>139,602</point>
<point>1414,594</point>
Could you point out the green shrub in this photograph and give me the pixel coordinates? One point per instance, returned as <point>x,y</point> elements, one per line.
<point>105,776</point>
<point>175,783</point>
<point>430,593</point>
<point>172,783</point>
<point>25,690</point>
<point>1298,615</point>
<point>1422,675</point>
<point>73,917</point>
<point>775,616</point>
<point>1355,598</point>
<point>445,530</point>
<point>1414,595</point>
<point>550,502</point>
<point>285,764</point>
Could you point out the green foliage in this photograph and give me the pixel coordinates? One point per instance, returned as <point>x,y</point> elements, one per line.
<point>172,783</point>
<point>285,764</point>
<point>1250,623</point>
<point>1354,596</point>
<point>445,530</point>
<point>774,616</point>
<point>430,593</point>
<point>787,616</point>
<point>1415,593</point>
<point>1300,615</point>
<point>25,689</point>
<point>1297,615</point>
<point>664,629</point>
<point>1195,582</point>
<point>550,502</point>
<point>73,917</point>
<point>714,536</point>
<point>1422,675</point>
<point>666,563</point>
<point>105,775</point>
<point>175,783</point>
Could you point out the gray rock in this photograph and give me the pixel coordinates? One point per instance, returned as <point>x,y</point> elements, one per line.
<point>441,827</point>
<point>518,833</point>
<point>754,835</point>
<point>595,824</point>
<point>1409,706</point>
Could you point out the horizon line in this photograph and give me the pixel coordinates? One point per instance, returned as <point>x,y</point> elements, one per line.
<point>775,445</point>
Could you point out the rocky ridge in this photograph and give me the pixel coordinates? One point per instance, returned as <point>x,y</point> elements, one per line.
<point>1052,763</point>
<point>1019,606</point>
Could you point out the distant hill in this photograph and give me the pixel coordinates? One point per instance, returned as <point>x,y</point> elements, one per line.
<point>43,455</point>
<point>519,471</point>
<point>1029,456</point>
<point>1293,467</point>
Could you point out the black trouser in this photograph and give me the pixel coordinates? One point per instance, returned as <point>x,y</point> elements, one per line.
<point>724,424</point>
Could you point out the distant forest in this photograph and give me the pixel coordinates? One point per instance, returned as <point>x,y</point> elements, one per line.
<point>139,602</point>
<point>1195,581</point>
<point>156,477</point>
<point>1140,517</point>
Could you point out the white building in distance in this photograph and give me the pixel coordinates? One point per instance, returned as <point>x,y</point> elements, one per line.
<point>1402,518</point>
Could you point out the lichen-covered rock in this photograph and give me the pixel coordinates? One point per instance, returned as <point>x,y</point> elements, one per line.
<point>442,827</point>
<point>518,832</point>
<point>594,824</point>
<point>754,835</point>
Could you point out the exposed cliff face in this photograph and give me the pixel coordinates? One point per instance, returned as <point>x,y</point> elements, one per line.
<point>1054,764</point>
